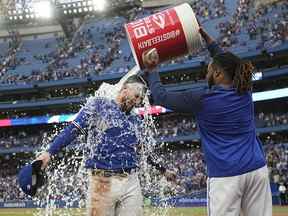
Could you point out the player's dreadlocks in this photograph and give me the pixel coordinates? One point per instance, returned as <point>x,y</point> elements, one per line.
<point>240,72</point>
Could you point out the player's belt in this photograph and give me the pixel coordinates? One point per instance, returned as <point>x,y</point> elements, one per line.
<point>109,173</point>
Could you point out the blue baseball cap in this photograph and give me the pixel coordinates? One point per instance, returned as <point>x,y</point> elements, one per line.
<point>31,177</point>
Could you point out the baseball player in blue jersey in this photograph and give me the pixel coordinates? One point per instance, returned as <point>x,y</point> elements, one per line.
<point>113,134</point>
<point>238,179</point>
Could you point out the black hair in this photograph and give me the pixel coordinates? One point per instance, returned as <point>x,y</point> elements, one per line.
<point>238,71</point>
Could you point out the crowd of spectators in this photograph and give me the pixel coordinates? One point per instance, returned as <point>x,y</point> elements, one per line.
<point>33,136</point>
<point>230,28</point>
<point>207,10</point>
<point>270,24</point>
<point>188,164</point>
<point>8,186</point>
<point>174,125</point>
<point>57,67</point>
<point>267,24</point>
<point>8,57</point>
<point>271,119</point>
<point>96,56</point>
<point>277,161</point>
<point>9,189</point>
<point>276,148</point>
<point>18,138</point>
<point>169,125</point>
<point>190,170</point>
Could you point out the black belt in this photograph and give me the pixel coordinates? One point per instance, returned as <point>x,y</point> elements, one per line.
<point>108,173</point>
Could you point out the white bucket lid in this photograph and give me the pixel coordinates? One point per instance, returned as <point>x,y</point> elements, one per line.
<point>190,27</point>
<point>131,46</point>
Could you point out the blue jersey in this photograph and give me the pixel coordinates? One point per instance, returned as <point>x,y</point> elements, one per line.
<point>112,135</point>
<point>226,125</point>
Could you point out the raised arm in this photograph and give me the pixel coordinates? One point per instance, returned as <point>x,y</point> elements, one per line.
<point>65,138</point>
<point>188,101</point>
<point>212,46</point>
<point>69,133</point>
<point>94,106</point>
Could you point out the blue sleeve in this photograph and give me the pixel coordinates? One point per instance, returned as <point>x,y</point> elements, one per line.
<point>214,49</point>
<point>76,127</point>
<point>188,101</point>
<point>81,120</point>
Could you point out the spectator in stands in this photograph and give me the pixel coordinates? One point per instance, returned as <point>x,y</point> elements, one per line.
<point>168,125</point>
<point>99,58</point>
<point>189,166</point>
<point>283,194</point>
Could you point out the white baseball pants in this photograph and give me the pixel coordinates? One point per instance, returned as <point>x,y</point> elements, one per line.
<point>114,196</point>
<point>247,195</point>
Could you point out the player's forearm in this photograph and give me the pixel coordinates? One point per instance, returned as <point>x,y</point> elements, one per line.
<point>66,137</point>
<point>176,101</point>
<point>158,91</point>
<point>63,139</point>
<point>207,38</point>
<point>212,45</point>
<point>214,49</point>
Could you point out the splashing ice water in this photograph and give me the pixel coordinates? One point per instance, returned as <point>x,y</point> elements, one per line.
<point>68,179</point>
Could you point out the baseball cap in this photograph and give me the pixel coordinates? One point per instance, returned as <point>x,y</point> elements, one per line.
<point>31,177</point>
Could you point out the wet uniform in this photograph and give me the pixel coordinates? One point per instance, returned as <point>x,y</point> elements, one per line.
<point>112,139</point>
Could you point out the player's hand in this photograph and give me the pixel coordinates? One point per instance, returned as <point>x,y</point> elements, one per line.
<point>208,39</point>
<point>150,59</point>
<point>170,175</point>
<point>45,158</point>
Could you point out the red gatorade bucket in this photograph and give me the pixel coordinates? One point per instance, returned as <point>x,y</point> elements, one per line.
<point>172,32</point>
